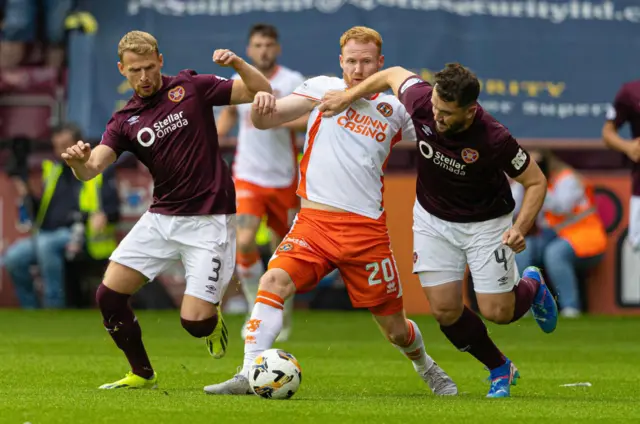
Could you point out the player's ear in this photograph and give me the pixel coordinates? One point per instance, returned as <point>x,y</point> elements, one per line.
<point>161,59</point>
<point>472,110</point>
<point>341,67</point>
<point>121,69</point>
<point>381,61</point>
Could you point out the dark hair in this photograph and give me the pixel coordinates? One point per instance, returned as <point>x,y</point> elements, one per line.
<point>457,83</point>
<point>75,130</point>
<point>265,30</point>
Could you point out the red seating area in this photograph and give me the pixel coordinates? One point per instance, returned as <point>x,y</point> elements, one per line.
<point>31,102</point>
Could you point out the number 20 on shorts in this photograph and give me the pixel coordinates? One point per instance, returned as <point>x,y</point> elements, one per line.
<point>388,272</point>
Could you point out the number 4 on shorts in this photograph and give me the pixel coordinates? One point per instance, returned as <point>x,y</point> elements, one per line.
<point>501,257</point>
<point>388,272</point>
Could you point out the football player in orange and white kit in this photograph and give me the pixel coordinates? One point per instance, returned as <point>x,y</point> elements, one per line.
<point>265,168</point>
<point>342,222</point>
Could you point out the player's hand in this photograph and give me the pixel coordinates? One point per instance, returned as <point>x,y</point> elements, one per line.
<point>334,102</point>
<point>225,57</point>
<point>633,152</point>
<point>514,239</point>
<point>78,154</point>
<point>264,103</point>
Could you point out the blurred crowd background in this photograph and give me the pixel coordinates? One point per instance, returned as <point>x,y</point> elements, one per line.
<point>550,71</point>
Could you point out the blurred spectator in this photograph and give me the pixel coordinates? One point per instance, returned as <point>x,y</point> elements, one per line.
<point>570,237</point>
<point>21,19</point>
<point>70,218</point>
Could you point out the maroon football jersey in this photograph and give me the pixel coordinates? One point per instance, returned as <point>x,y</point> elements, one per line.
<point>173,133</point>
<point>626,108</point>
<point>461,178</point>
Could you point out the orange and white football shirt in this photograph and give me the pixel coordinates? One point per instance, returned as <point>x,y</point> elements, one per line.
<point>267,158</point>
<point>345,155</point>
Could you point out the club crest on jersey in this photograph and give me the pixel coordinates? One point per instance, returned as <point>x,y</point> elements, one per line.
<point>176,94</point>
<point>285,247</point>
<point>385,109</point>
<point>470,155</point>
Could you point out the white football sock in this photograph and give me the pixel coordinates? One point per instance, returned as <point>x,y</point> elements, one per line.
<point>263,327</point>
<point>415,350</point>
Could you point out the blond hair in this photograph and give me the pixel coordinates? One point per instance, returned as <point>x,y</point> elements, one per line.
<point>138,42</point>
<point>362,34</point>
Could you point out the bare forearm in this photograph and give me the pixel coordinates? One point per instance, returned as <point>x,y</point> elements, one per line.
<point>85,172</point>
<point>253,79</point>
<point>101,157</point>
<point>376,83</point>
<point>613,140</point>
<point>299,124</point>
<point>531,204</point>
<point>266,122</point>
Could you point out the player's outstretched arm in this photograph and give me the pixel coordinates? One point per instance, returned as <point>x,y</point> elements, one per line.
<point>334,102</point>
<point>614,141</point>
<point>86,163</point>
<point>298,124</point>
<point>251,80</point>
<point>286,109</point>
<point>535,191</point>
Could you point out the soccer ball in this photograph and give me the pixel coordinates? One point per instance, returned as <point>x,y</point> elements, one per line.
<point>275,374</point>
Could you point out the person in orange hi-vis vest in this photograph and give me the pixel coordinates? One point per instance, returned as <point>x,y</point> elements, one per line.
<point>570,236</point>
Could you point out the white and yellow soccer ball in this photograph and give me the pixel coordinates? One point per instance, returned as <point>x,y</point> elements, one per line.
<point>275,374</point>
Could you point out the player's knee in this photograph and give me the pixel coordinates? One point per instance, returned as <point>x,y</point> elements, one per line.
<point>447,314</point>
<point>398,333</point>
<point>110,302</point>
<point>278,282</point>
<point>123,279</point>
<point>200,328</point>
<point>498,313</point>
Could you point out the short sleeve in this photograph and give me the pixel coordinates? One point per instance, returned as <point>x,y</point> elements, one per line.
<point>113,138</point>
<point>215,90</point>
<point>414,93</point>
<point>620,111</point>
<point>408,129</point>
<point>313,88</point>
<point>511,157</point>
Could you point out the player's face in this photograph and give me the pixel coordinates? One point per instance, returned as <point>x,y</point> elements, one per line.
<point>263,52</point>
<point>61,141</point>
<point>144,72</point>
<point>450,118</point>
<point>359,61</point>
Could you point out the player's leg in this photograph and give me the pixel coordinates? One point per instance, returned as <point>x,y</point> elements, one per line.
<point>370,274</point>
<point>634,223</point>
<point>504,297</point>
<point>281,210</point>
<point>249,267</point>
<point>141,255</point>
<point>293,267</point>
<point>440,265</point>
<point>208,249</point>
<point>405,336</point>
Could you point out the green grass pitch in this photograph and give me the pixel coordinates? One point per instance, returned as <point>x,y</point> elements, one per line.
<point>51,364</point>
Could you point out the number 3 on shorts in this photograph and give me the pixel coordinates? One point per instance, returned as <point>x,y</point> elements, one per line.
<point>387,272</point>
